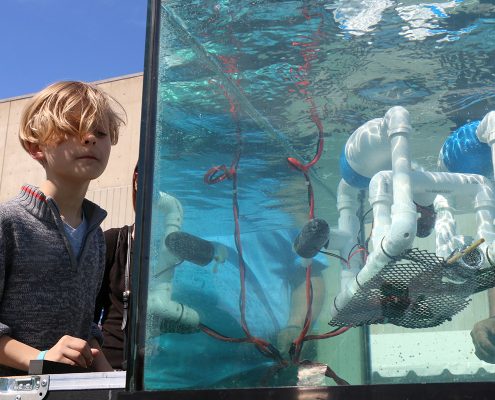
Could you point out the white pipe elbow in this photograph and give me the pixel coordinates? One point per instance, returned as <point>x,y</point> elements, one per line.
<point>380,189</point>
<point>485,198</point>
<point>173,211</point>
<point>368,139</point>
<point>166,315</point>
<point>486,129</point>
<point>490,253</point>
<point>396,120</point>
<point>173,218</point>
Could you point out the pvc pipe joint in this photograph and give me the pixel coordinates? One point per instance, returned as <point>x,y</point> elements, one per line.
<point>396,120</point>
<point>486,129</point>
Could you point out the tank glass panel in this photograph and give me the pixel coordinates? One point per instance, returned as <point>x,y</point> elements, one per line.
<point>323,200</point>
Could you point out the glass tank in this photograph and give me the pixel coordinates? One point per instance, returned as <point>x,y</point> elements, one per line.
<point>318,205</point>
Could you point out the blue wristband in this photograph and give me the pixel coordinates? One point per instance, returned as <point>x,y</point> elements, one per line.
<point>41,355</point>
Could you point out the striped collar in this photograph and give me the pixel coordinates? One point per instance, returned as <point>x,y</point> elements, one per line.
<point>45,208</point>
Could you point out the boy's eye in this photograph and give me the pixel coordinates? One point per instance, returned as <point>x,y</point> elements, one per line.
<point>101,134</point>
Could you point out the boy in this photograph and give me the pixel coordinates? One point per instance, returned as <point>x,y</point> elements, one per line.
<point>52,250</point>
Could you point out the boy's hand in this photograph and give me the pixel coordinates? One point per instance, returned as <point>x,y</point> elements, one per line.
<point>73,351</point>
<point>483,335</point>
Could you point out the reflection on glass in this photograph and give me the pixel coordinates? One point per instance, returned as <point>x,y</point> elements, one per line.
<point>321,167</point>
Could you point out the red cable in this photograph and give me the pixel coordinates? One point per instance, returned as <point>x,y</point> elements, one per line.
<point>308,53</point>
<point>327,335</point>
<point>355,252</point>
<point>218,174</point>
<point>297,343</point>
<point>219,336</point>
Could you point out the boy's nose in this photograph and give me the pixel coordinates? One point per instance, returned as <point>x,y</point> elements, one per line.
<point>89,138</point>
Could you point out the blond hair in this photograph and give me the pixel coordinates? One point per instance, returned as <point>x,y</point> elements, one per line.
<point>69,108</point>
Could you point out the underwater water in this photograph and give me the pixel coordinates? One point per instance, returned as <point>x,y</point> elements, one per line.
<point>245,87</point>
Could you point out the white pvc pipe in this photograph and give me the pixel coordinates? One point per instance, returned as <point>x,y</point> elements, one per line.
<point>348,205</point>
<point>381,199</point>
<point>435,183</point>
<point>443,185</point>
<point>395,234</point>
<point>366,140</point>
<point>348,226</point>
<point>164,314</point>
<point>486,133</point>
<point>403,227</point>
<point>402,230</point>
<point>457,185</point>
<point>445,227</point>
<point>476,187</point>
<point>172,222</point>
<point>484,206</point>
<point>338,239</point>
<point>449,183</point>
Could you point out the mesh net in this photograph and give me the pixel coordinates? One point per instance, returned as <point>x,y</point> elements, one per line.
<point>415,290</point>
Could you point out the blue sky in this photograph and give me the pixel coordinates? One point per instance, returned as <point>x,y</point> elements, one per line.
<point>43,41</point>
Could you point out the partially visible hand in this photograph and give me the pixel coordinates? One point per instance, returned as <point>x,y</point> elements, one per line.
<point>483,336</point>
<point>73,351</point>
<point>100,362</point>
<point>285,338</point>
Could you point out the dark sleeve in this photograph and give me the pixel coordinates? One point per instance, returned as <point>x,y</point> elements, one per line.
<point>103,298</point>
<point>4,329</point>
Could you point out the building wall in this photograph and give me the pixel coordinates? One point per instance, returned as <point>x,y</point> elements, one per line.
<point>112,190</point>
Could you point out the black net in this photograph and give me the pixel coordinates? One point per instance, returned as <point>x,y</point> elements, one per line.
<point>415,290</point>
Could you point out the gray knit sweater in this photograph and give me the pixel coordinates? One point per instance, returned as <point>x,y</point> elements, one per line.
<point>45,291</point>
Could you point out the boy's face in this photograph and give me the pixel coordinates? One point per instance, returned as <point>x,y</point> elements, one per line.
<point>76,159</point>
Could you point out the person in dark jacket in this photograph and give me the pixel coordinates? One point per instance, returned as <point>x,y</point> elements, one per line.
<point>112,304</point>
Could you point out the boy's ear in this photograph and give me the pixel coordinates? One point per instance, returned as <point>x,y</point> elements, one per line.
<point>35,151</point>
